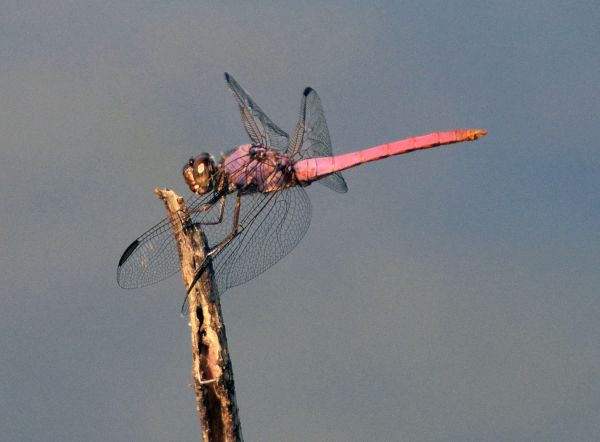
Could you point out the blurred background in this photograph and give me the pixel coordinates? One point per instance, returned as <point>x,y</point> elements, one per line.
<point>451,294</point>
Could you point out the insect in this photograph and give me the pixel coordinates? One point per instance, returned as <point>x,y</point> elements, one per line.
<point>252,204</point>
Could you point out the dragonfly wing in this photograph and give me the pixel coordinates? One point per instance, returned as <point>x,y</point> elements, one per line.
<point>271,225</point>
<point>261,130</point>
<point>311,137</point>
<point>153,256</point>
<point>335,181</point>
<point>150,258</point>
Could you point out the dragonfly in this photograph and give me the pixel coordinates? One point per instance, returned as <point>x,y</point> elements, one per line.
<point>252,204</point>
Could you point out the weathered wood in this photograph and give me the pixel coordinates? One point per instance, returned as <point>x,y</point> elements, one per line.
<point>212,373</point>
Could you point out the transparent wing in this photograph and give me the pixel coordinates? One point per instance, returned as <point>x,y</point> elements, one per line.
<point>271,225</point>
<point>311,137</point>
<point>261,130</point>
<point>153,256</point>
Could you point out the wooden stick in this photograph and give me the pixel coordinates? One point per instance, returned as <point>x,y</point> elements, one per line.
<point>211,366</point>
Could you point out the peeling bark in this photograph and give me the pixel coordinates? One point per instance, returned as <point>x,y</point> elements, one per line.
<point>212,373</point>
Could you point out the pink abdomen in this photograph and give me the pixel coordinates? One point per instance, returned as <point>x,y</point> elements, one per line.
<point>311,169</point>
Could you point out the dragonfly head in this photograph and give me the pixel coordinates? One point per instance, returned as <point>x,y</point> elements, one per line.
<point>199,173</point>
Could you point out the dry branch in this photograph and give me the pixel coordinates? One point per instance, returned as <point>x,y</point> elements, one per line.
<point>211,367</point>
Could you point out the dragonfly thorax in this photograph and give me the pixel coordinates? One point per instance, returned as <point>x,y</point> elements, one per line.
<point>199,173</point>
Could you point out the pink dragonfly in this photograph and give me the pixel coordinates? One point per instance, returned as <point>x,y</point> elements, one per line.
<point>251,204</point>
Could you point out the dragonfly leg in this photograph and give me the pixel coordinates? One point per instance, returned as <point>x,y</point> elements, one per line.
<point>219,196</point>
<point>221,211</point>
<point>234,229</point>
<point>222,244</point>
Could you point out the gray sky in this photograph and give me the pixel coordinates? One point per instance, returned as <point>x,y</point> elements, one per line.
<point>451,295</point>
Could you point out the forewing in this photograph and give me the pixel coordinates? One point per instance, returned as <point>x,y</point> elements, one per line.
<point>150,258</point>
<point>153,256</point>
<point>261,130</point>
<point>311,138</point>
<point>271,225</point>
